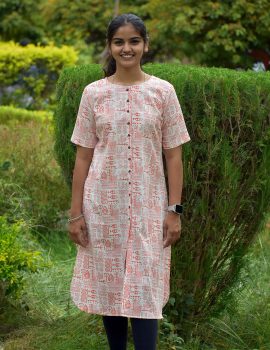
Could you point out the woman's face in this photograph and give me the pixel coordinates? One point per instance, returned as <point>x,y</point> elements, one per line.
<point>127,46</point>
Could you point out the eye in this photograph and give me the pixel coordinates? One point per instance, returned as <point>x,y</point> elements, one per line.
<point>136,41</point>
<point>118,42</point>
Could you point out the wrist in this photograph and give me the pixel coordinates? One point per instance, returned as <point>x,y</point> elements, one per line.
<point>176,208</point>
<point>75,218</point>
<point>75,212</point>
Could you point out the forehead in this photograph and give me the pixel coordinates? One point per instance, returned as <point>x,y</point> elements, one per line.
<point>126,31</point>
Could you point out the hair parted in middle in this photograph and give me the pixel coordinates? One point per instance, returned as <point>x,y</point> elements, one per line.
<point>109,66</point>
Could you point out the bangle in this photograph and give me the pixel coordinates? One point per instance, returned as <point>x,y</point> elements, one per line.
<point>75,218</point>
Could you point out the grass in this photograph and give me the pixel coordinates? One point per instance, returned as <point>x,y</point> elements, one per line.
<point>46,318</point>
<point>49,320</point>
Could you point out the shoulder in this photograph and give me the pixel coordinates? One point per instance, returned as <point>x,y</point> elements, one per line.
<point>162,83</point>
<point>162,88</point>
<point>93,89</point>
<point>94,85</point>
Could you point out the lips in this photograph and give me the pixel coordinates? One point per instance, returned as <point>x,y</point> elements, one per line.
<point>127,56</point>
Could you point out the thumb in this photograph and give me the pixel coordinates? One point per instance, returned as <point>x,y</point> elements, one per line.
<point>84,231</point>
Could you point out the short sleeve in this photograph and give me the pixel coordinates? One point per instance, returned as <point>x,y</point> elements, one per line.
<point>174,131</point>
<point>84,132</point>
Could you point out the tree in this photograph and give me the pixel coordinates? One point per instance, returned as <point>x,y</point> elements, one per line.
<point>218,33</point>
<point>20,19</point>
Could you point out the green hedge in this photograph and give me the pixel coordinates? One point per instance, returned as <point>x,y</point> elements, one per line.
<point>11,115</point>
<point>226,177</point>
<point>28,74</point>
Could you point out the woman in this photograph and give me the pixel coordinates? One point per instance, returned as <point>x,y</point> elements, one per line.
<point>120,218</point>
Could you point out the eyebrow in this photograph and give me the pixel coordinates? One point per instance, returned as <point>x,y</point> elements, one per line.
<point>135,37</point>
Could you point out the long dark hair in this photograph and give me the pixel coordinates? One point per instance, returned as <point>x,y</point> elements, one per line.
<point>109,66</point>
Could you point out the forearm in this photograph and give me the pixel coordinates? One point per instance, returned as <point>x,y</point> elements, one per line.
<point>80,173</point>
<point>175,179</point>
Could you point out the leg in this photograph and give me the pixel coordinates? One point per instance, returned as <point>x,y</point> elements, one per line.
<point>145,332</point>
<point>116,328</point>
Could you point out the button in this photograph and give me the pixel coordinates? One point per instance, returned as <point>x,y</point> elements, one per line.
<point>129,171</point>
<point>129,206</point>
<point>128,134</point>
<point>127,100</point>
<point>129,158</point>
<point>128,111</point>
<point>128,146</point>
<point>128,123</point>
<point>129,182</point>
<point>127,89</point>
<point>129,194</point>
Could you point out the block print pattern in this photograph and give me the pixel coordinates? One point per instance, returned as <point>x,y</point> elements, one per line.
<point>124,270</point>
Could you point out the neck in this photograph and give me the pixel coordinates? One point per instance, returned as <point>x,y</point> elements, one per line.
<point>129,75</point>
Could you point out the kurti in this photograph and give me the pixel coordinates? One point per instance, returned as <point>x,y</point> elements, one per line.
<point>124,270</point>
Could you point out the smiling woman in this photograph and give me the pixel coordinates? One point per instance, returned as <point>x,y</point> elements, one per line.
<point>126,45</point>
<point>124,123</point>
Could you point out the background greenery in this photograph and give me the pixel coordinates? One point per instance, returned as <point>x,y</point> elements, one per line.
<point>215,33</point>
<point>34,197</point>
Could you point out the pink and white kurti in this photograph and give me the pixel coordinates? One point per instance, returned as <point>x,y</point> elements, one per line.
<point>124,270</point>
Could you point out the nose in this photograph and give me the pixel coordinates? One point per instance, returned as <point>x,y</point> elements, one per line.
<point>126,47</point>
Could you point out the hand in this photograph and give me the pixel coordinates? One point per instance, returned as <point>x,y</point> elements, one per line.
<point>78,232</point>
<point>171,229</point>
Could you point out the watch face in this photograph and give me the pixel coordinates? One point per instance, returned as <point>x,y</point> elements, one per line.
<point>179,208</point>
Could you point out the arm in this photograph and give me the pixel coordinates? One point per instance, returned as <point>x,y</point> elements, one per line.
<point>174,165</point>
<point>77,229</point>
<point>172,222</point>
<point>82,163</point>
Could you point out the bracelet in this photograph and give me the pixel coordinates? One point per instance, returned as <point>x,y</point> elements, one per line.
<point>75,218</point>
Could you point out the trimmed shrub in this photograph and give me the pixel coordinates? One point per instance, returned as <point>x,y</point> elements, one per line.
<point>28,74</point>
<point>11,115</point>
<point>16,258</point>
<point>226,177</point>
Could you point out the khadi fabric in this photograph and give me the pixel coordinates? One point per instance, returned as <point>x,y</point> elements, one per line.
<point>124,270</point>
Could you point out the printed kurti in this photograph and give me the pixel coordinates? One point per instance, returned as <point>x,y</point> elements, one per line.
<point>124,270</point>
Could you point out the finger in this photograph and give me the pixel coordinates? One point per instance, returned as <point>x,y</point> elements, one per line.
<point>85,232</point>
<point>167,243</point>
<point>84,238</point>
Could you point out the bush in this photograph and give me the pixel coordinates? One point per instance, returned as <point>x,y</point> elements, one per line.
<point>28,74</point>
<point>10,115</point>
<point>226,185</point>
<point>15,258</point>
<point>31,186</point>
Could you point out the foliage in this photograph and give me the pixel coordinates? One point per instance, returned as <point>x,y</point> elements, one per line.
<point>215,33</point>
<point>10,115</point>
<point>21,20</point>
<point>73,23</point>
<point>226,167</point>
<point>31,185</point>
<point>28,74</point>
<point>15,258</point>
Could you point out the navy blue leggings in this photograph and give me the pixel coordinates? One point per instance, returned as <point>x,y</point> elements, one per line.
<point>144,332</point>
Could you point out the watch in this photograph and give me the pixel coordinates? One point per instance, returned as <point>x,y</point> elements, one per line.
<point>176,208</point>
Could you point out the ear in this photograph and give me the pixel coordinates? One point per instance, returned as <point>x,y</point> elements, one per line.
<point>146,46</point>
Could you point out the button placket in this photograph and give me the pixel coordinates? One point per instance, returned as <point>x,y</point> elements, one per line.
<point>129,156</point>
